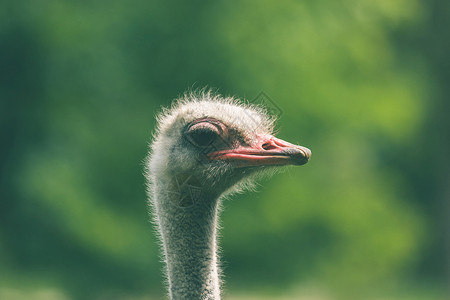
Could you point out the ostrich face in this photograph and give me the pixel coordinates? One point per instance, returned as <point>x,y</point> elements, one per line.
<point>217,143</point>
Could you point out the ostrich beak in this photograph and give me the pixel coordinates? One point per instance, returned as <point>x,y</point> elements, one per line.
<point>268,151</point>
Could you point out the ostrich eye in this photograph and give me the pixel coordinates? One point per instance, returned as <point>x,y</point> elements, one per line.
<point>202,137</point>
<point>202,134</point>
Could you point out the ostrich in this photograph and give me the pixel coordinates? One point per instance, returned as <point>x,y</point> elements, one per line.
<point>205,146</point>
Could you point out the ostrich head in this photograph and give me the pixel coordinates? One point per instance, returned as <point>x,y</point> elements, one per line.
<point>208,143</point>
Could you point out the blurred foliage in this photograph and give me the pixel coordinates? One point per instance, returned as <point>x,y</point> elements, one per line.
<point>359,82</point>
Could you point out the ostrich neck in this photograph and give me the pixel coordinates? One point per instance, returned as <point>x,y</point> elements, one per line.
<point>187,224</point>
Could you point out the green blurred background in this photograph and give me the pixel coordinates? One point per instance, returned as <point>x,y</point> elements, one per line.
<point>364,84</point>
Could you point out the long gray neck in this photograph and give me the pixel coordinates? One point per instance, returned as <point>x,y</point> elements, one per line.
<point>187,221</point>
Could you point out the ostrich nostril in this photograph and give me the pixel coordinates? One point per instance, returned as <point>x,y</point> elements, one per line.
<point>268,146</point>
